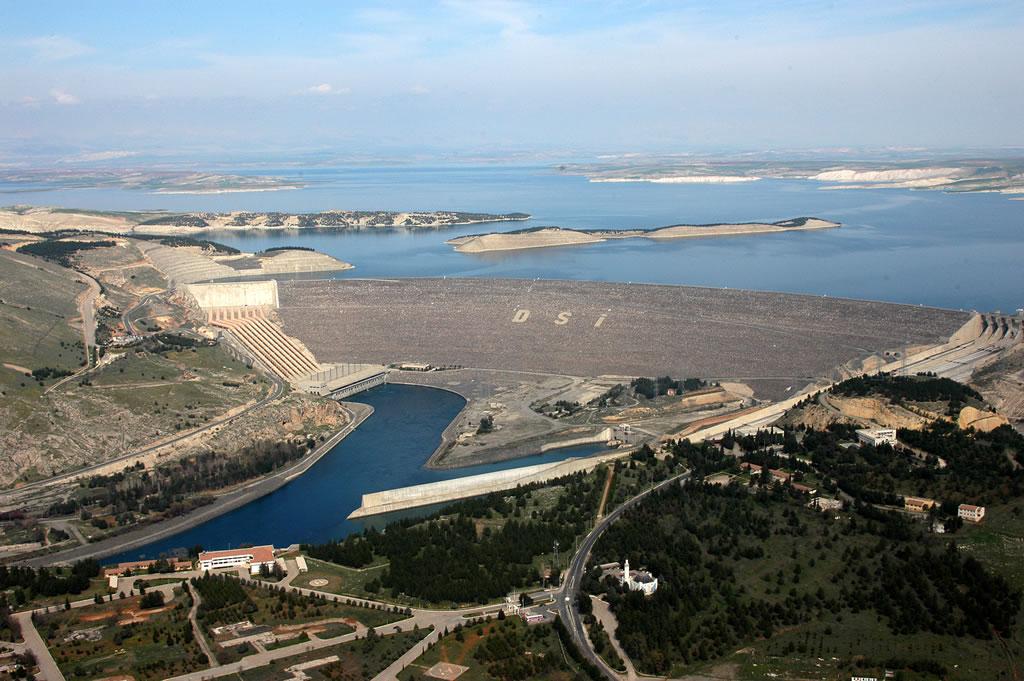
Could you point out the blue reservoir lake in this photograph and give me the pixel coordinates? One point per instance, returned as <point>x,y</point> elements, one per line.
<point>388,450</point>
<point>960,251</point>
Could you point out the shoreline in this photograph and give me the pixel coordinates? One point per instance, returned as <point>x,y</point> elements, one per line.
<point>223,503</point>
<point>42,220</point>
<point>546,237</point>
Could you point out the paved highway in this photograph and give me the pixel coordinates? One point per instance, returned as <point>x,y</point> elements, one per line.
<point>356,413</point>
<point>277,390</point>
<point>574,574</point>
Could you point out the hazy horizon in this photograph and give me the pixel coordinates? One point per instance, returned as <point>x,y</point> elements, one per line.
<point>115,82</point>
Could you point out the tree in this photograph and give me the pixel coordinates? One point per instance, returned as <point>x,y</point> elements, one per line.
<point>153,599</point>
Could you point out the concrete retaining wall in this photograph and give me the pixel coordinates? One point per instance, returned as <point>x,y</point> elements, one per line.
<point>474,485</point>
<point>239,294</point>
<point>604,436</point>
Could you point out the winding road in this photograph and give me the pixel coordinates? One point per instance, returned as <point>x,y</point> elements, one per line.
<point>356,413</point>
<point>574,574</point>
<point>277,390</point>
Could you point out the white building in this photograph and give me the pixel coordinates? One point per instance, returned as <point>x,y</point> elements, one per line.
<point>825,504</point>
<point>300,562</point>
<point>512,604</point>
<point>877,436</point>
<point>971,512</point>
<point>638,580</point>
<point>254,556</point>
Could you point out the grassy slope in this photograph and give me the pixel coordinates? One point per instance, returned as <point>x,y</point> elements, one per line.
<point>38,303</point>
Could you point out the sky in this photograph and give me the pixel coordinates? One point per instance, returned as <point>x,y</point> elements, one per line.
<point>108,80</point>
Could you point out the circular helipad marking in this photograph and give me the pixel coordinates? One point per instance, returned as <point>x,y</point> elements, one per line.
<point>318,582</point>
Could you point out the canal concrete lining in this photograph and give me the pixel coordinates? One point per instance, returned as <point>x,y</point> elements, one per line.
<point>598,328</point>
<point>475,485</point>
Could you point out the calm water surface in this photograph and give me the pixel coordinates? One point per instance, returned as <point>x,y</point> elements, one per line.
<point>388,450</point>
<point>919,247</point>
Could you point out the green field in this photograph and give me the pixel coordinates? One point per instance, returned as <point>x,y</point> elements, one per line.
<point>340,579</point>
<point>495,651</point>
<point>998,541</point>
<point>264,605</point>
<point>361,659</point>
<point>148,645</point>
<point>38,302</point>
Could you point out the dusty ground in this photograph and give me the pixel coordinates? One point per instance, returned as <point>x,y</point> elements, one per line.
<point>131,402</point>
<point>134,398</point>
<point>1002,385</point>
<point>510,399</point>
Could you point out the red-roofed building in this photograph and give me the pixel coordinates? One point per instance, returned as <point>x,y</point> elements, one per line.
<point>139,566</point>
<point>254,556</point>
<point>971,512</point>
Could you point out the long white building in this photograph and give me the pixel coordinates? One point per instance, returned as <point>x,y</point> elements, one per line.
<point>254,556</point>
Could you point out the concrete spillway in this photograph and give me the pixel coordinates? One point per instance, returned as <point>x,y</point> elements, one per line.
<point>474,485</point>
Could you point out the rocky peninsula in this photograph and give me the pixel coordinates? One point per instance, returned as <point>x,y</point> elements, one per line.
<point>42,219</point>
<point>543,237</point>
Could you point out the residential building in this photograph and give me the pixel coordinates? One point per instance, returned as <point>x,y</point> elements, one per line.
<point>877,436</point>
<point>971,512</point>
<point>254,557</point>
<point>140,566</point>
<point>918,504</point>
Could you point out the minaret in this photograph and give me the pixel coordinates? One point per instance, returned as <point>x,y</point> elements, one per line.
<point>626,579</point>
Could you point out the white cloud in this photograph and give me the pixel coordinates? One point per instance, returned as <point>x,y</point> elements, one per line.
<point>419,90</point>
<point>512,17</point>
<point>63,97</point>
<point>56,47</point>
<point>327,89</point>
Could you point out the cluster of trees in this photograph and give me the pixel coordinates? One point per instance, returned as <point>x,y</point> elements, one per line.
<point>218,593</point>
<point>560,409</point>
<point>43,373</point>
<point>151,599</point>
<point>445,558</point>
<point>28,583</point>
<point>920,388</point>
<point>176,487</point>
<point>919,587</point>
<point>286,248</point>
<point>653,387</point>
<point>699,539</point>
<point>588,668</point>
<point>980,467</point>
<point>503,652</point>
<point>446,561</point>
<point>354,551</point>
<point>60,251</point>
<point>613,397</point>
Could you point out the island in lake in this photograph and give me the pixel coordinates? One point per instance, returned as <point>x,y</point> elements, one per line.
<point>542,237</point>
<point>41,220</point>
